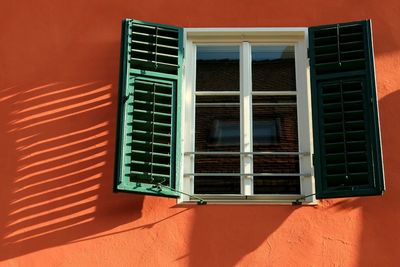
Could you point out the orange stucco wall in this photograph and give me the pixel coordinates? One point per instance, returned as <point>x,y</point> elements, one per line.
<point>59,65</point>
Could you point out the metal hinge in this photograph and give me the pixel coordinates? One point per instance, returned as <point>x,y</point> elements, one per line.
<point>160,186</point>
<point>298,202</point>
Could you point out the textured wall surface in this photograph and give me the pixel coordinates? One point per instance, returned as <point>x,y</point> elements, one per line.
<point>59,65</point>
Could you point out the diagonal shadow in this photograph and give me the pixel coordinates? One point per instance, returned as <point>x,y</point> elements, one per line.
<point>380,236</point>
<point>222,235</point>
<point>58,171</point>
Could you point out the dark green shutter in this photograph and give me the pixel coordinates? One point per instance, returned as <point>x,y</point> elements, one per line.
<point>150,77</point>
<point>347,149</point>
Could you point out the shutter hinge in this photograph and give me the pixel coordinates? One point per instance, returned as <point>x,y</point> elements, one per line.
<point>308,52</point>
<point>160,186</point>
<point>313,159</point>
<point>298,202</point>
<point>127,97</point>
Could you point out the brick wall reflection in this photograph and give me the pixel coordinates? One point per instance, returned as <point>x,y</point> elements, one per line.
<point>276,75</point>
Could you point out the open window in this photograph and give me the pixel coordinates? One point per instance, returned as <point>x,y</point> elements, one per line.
<point>228,117</point>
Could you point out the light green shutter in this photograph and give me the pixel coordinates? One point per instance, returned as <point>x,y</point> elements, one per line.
<point>150,77</point>
<point>347,149</point>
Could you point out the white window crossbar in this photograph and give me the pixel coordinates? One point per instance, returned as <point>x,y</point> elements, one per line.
<point>247,174</point>
<point>248,153</point>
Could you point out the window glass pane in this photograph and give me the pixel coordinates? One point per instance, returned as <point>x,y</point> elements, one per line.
<point>216,185</point>
<point>217,68</point>
<point>217,129</point>
<point>221,101</point>
<point>276,185</point>
<point>275,123</point>
<point>217,123</point>
<point>276,164</point>
<point>275,130</point>
<point>273,68</point>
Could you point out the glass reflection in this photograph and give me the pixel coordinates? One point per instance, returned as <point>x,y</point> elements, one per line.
<point>217,68</point>
<point>273,68</point>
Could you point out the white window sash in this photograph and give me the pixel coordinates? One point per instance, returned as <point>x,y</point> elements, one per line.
<point>245,36</point>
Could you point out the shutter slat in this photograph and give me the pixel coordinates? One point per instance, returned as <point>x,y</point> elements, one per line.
<point>153,53</point>
<point>154,35</point>
<point>357,35</point>
<point>151,93</point>
<point>149,175</point>
<point>151,143</point>
<point>151,123</point>
<point>346,128</point>
<point>328,39</point>
<point>151,163</point>
<point>152,112</point>
<point>149,153</point>
<point>137,176</point>
<point>150,133</point>
<point>148,103</point>
<point>151,45</point>
<point>137,61</point>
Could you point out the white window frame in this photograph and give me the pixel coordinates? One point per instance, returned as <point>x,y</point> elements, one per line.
<point>244,37</point>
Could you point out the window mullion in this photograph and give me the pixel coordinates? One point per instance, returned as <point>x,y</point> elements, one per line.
<point>188,116</point>
<point>246,120</point>
<point>307,184</point>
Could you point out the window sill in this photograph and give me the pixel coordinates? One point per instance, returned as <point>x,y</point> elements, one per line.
<point>251,200</point>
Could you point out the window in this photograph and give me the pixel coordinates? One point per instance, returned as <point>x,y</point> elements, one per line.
<point>232,115</point>
<point>245,105</point>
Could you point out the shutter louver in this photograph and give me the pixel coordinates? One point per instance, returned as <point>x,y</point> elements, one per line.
<point>339,48</point>
<point>345,117</point>
<point>150,76</point>
<point>154,48</point>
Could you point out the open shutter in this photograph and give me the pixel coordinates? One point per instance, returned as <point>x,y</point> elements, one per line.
<point>347,148</point>
<point>151,56</point>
